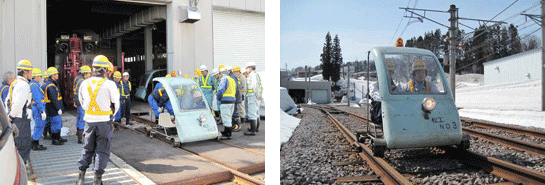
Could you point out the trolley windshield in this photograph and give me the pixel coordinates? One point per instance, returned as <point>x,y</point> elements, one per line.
<point>410,73</point>
<point>188,96</point>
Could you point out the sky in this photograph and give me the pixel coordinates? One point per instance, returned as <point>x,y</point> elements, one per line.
<point>363,24</point>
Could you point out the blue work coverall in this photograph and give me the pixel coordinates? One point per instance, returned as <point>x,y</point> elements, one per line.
<point>155,105</point>
<point>118,114</point>
<point>125,100</point>
<point>38,106</point>
<point>4,90</point>
<point>53,104</point>
<point>227,103</point>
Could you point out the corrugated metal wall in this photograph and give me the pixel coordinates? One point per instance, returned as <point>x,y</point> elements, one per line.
<point>516,68</point>
<point>239,37</point>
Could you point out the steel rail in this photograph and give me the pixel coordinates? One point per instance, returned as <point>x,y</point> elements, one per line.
<point>512,172</point>
<point>387,173</point>
<point>511,143</point>
<point>237,175</point>
<point>507,128</point>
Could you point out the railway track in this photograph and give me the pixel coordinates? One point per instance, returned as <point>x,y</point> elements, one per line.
<point>506,170</point>
<point>237,176</point>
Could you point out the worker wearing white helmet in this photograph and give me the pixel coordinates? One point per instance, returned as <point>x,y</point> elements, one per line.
<point>226,95</point>
<point>126,88</point>
<point>18,104</point>
<point>207,84</point>
<point>253,95</point>
<point>96,95</point>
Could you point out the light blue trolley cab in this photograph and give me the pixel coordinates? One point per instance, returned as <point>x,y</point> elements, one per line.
<point>418,108</point>
<point>192,119</point>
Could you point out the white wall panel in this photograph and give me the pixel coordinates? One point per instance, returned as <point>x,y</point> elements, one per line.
<point>515,68</point>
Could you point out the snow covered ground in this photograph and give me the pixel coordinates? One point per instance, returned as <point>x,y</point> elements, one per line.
<point>513,103</point>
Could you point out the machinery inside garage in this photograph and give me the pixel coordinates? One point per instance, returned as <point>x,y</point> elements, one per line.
<point>78,30</point>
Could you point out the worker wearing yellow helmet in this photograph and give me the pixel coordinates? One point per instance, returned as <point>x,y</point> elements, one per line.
<point>117,81</point>
<point>236,117</point>
<point>38,109</point>
<point>96,96</point>
<point>110,70</point>
<point>376,113</point>
<point>19,95</point>
<point>226,95</point>
<point>84,73</point>
<point>418,82</point>
<point>241,108</point>
<point>125,91</point>
<point>53,105</point>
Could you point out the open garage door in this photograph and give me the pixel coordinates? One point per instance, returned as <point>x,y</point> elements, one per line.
<point>239,37</point>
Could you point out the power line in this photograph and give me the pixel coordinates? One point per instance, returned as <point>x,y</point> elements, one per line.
<point>399,24</point>
<point>504,9</point>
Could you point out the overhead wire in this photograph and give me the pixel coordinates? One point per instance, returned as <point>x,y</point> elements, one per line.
<point>400,21</point>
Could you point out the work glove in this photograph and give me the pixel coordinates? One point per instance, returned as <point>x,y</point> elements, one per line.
<point>59,112</point>
<point>44,116</point>
<point>161,109</point>
<point>29,113</point>
<point>15,130</point>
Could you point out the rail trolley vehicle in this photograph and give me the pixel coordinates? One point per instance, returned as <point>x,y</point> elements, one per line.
<point>417,106</point>
<point>192,120</point>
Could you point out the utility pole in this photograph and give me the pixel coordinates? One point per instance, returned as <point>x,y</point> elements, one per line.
<point>348,87</point>
<point>452,48</point>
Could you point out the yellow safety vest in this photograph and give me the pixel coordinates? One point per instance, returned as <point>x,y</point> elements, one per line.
<point>46,99</point>
<point>10,93</point>
<point>205,81</point>
<point>2,91</point>
<point>76,84</point>
<point>231,89</point>
<point>40,90</point>
<point>123,90</point>
<point>411,86</point>
<point>93,103</point>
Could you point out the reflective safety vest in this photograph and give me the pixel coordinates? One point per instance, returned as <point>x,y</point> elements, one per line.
<point>10,102</point>
<point>123,89</point>
<point>77,83</point>
<point>46,99</point>
<point>93,103</point>
<point>204,81</point>
<point>411,86</point>
<point>38,88</point>
<point>4,88</point>
<point>259,89</point>
<point>231,89</point>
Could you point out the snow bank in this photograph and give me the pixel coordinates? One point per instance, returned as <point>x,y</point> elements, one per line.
<point>286,103</point>
<point>287,126</point>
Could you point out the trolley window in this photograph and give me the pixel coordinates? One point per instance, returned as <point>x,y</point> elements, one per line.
<point>189,97</point>
<point>413,74</point>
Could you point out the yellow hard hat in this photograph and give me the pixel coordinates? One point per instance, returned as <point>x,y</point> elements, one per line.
<point>117,74</point>
<point>101,61</point>
<point>85,69</point>
<point>419,65</point>
<point>168,75</point>
<point>186,76</point>
<point>173,74</point>
<point>36,72</point>
<point>110,67</point>
<point>236,68</point>
<point>390,65</point>
<point>24,65</point>
<point>221,66</point>
<point>51,71</point>
<point>198,72</point>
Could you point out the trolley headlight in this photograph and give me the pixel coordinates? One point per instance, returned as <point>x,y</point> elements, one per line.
<point>202,118</point>
<point>428,104</point>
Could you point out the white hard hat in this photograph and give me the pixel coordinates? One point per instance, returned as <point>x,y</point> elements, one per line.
<point>203,68</point>
<point>228,68</point>
<point>215,72</point>
<point>243,70</point>
<point>223,70</point>
<point>125,74</point>
<point>250,64</point>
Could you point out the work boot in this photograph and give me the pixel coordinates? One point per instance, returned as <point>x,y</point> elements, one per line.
<point>98,179</point>
<point>236,124</point>
<point>226,134</point>
<point>81,178</point>
<point>37,146</point>
<point>257,124</point>
<point>60,138</point>
<point>80,135</point>
<point>251,132</point>
<point>243,120</point>
<point>54,139</point>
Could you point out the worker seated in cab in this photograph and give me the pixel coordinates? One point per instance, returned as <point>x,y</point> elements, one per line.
<point>159,101</point>
<point>190,97</point>
<point>419,83</point>
<point>376,105</point>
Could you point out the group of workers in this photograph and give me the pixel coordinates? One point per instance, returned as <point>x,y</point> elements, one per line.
<point>25,99</point>
<point>227,90</point>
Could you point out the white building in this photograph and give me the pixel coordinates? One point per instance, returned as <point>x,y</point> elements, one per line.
<point>520,67</point>
<point>230,32</point>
